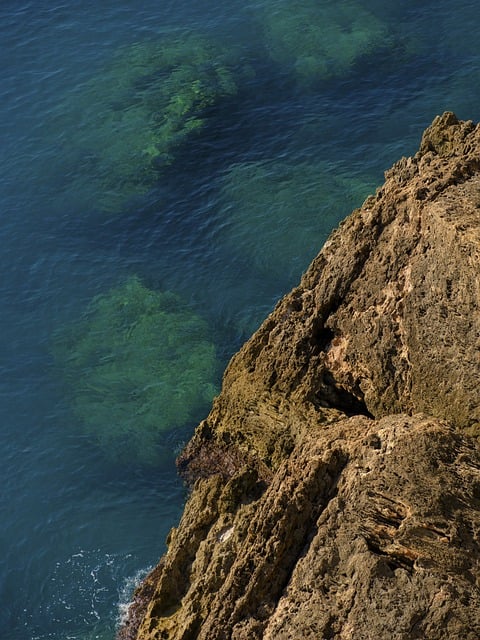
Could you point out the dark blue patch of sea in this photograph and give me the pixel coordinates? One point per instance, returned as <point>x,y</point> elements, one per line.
<point>229,225</point>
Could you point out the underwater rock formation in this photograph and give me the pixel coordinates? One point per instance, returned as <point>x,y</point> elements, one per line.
<point>318,41</point>
<point>127,122</point>
<point>139,363</point>
<point>336,481</point>
<point>260,199</point>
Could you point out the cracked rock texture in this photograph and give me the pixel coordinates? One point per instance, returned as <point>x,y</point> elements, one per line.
<point>336,481</point>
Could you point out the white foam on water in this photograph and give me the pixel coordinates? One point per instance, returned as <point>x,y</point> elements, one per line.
<point>126,592</point>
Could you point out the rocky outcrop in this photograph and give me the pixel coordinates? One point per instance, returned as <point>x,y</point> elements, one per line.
<point>336,481</point>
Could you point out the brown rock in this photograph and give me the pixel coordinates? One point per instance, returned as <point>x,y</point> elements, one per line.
<point>395,553</point>
<point>336,488</point>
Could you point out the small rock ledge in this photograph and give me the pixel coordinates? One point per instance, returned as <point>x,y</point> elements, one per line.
<point>336,481</point>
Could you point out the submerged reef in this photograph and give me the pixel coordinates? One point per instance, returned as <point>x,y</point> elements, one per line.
<point>276,214</point>
<point>127,122</point>
<point>138,363</point>
<point>320,40</point>
<point>335,484</point>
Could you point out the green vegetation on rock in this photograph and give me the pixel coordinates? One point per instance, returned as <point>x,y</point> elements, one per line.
<point>138,363</point>
<point>278,214</point>
<point>126,123</point>
<point>320,40</point>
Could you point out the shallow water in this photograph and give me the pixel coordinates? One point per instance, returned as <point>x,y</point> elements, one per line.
<point>77,528</point>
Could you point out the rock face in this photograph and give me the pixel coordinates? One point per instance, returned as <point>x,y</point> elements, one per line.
<point>336,481</point>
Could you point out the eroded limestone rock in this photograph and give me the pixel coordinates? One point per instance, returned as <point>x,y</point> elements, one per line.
<point>336,482</point>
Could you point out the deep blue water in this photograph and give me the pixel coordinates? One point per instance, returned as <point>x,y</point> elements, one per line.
<point>77,530</point>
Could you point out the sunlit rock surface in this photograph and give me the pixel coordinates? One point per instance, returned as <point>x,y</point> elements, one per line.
<point>336,481</point>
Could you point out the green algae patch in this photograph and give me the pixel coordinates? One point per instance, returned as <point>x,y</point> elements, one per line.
<point>139,363</point>
<point>277,215</point>
<point>127,123</point>
<point>320,40</point>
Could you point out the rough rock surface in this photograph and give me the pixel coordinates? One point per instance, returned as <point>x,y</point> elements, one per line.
<point>336,481</point>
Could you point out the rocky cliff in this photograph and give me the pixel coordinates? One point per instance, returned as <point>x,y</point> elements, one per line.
<point>336,481</point>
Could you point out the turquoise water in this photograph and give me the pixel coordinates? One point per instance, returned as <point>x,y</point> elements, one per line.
<point>229,226</point>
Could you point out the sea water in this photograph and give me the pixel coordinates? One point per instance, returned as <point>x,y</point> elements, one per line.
<point>220,228</point>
